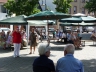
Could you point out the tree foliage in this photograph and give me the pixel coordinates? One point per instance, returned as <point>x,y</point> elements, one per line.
<point>62,5</point>
<point>91,6</point>
<point>20,7</point>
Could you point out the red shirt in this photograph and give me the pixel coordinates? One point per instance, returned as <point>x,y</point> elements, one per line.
<point>16,37</point>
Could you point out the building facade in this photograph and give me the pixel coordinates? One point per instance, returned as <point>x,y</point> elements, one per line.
<point>77,6</point>
<point>3,12</point>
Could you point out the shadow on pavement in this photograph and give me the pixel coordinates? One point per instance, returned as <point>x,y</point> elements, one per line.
<point>79,48</point>
<point>9,50</point>
<point>61,48</point>
<point>92,45</point>
<point>89,65</point>
<point>21,64</point>
<point>58,43</point>
<point>57,48</point>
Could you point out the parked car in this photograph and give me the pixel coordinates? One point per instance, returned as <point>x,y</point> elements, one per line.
<point>5,29</point>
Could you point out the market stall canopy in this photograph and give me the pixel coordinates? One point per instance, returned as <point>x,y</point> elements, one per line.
<point>79,19</point>
<point>47,15</point>
<point>36,23</point>
<point>17,20</point>
<point>40,22</point>
<point>76,24</point>
<point>71,20</point>
<point>79,14</point>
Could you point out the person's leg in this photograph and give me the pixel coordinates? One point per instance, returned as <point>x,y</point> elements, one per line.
<point>18,49</point>
<point>30,49</point>
<point>65,40</point>
<point>34,50</point>
<point>15,49</point>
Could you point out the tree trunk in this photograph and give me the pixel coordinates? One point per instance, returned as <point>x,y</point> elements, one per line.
<point>95,14</point>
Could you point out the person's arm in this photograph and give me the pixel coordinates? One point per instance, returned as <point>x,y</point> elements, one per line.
<point>52,67</point>
<point>82,67</point>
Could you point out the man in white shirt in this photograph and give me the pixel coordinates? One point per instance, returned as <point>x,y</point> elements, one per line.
<point>64,37</point>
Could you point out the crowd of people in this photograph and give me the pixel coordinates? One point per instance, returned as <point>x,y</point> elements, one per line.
<point>18,38</point>
<point>68,37</point>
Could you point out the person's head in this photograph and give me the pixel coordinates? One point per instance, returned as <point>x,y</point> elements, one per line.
<point>69,49</point>
<point>17,29</point>
<point>10,34</point>
<point>32,30</point>
<point>44,49</point>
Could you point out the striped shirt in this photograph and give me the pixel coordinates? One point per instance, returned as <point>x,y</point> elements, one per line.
<point>69,64</point>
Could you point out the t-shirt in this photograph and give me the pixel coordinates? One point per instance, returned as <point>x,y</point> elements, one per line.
<point>16,37</point>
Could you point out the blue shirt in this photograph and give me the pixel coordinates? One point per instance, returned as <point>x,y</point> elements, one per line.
<point>43,64</point>
<point>69,64</point>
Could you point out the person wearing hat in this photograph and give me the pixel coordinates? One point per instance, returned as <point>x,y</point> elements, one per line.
<point>17,39</point>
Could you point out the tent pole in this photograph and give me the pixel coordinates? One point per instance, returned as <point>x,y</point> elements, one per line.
<point>46,31</point>
<point>48,39</point>
<point>27,30</point>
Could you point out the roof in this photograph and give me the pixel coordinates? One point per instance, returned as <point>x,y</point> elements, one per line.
<point>3,1</point>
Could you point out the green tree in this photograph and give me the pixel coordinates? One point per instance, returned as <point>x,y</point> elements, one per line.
<point>62,5</point>
<point>20,7</point>
<point>91,6</point>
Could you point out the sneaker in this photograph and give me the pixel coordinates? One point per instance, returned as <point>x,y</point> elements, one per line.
<point>18,56</point>
<point>30,53</point>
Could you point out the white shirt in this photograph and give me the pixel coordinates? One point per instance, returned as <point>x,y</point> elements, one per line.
<point>63,35</point>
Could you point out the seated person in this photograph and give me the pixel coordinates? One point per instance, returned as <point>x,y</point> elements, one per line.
<point>69,37</point>
<point>93,35</point>
<point>79,35</point>
<point>69,63</point>
<point>9,41</point>
<point>24,40</point>
<point>74,39</point>
<point>43,63</point>
<point>2,40</point>
<point>64,37</point>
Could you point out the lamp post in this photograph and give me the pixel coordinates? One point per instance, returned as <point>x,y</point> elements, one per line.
<point>44,4</point>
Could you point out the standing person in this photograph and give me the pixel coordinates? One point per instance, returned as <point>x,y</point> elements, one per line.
<point>32,40</point>
<point>69,63</point>
<point>43,63</point>
<point>17,39</point>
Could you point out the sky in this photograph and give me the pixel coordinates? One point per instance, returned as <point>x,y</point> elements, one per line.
<point>49,4</point>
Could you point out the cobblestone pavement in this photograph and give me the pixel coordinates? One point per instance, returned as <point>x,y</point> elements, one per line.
<point>8,63</point>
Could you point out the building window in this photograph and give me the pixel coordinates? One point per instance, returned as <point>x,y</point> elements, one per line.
<point>83,1</point>
<point>69,10</point>
<point>83,10</point>
<point>75,9</point>
<point>3,9</point>
<point>75,0</point>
